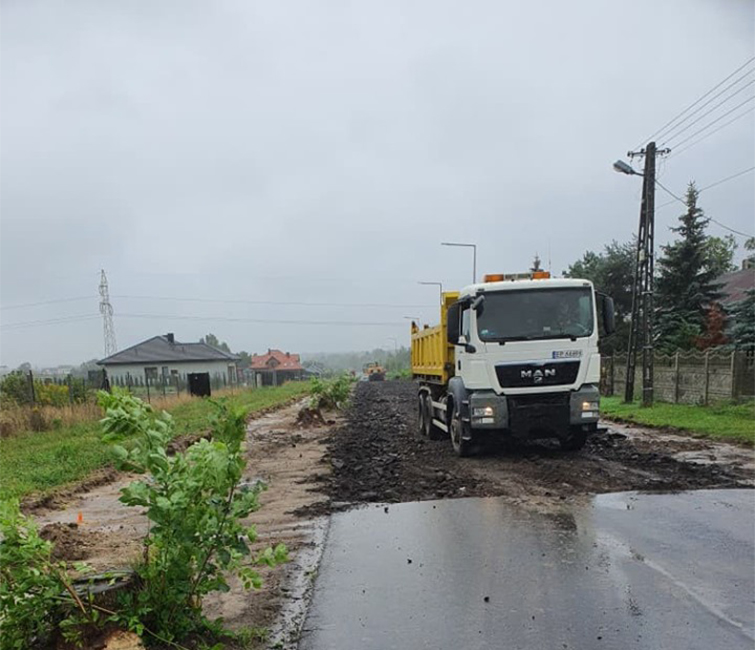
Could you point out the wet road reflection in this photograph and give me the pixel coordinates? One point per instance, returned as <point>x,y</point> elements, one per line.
<point>627,570</point>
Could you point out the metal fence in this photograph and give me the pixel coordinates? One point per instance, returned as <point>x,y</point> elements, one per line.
<point>30,389</point>
<point>688,377</point>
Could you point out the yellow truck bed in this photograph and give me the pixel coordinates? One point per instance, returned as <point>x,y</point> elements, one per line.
<point>432,356</point>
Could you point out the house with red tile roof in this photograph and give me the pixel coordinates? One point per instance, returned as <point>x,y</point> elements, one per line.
<point>275,367</point>
<point>734,286</point>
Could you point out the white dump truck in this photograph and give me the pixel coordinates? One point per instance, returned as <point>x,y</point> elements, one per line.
<point>515,355</point>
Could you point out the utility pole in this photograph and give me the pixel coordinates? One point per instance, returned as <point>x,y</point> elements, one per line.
<point>642,331</point>
<point>106,309</point>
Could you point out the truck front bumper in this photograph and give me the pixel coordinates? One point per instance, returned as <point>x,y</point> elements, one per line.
<point>488,410</point>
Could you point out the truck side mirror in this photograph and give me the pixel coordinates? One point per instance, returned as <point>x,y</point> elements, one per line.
<point>452,325</point>
<point>609,314</point>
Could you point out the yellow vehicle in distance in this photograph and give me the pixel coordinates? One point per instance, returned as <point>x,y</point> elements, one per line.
<point>374,371</point>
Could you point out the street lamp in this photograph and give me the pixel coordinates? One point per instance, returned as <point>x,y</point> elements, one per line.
<point>395,343</point>
<point>413,318</point>
<point>623,168</point>
<point>474,255</point>
<point>437,284</point>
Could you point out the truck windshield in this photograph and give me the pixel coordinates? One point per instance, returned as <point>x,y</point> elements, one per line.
<point>530,314</point>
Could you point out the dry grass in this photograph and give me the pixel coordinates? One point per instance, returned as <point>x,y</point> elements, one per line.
<point>15,419</point>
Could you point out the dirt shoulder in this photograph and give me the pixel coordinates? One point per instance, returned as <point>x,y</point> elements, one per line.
<point>379,456</point>
<point>288,457</point>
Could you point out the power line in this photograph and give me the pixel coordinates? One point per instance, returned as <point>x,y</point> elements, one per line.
<point>725,227</point>
<point>676,134</point>
<point>49,321</point>
<point>224,319</point>
<point>668,191</point>
<point>710,133</point>
<point>223,301</point>
<point>275,302</point>
<point>728,178</point>
<point>695,103</point>
<point>718,119</point>
<point>230,319</point>
<point>707,187</point>
<point>716,96</point>
<point>48,302</point>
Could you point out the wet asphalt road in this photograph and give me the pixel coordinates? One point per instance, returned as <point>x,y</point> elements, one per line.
<point>620,571</point>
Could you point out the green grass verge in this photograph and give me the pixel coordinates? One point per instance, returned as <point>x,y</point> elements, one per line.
<point>38,462</point>
<point>724,421</point>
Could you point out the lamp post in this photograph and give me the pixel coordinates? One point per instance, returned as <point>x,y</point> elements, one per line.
<point>437,284</point>
<point>474,255</point>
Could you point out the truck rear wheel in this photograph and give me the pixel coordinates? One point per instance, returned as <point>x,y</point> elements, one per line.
<point>460,434</point>
<point>427,428</point>
<point>421,415</point>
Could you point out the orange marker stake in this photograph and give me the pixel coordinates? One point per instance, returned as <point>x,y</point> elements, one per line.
<point>80,518</point>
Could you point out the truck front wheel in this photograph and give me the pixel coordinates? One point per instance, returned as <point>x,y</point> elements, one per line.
<point>575,439</point>
<point>460,434</point>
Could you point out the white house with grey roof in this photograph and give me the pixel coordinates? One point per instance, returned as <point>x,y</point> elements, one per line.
<point>163,358</point>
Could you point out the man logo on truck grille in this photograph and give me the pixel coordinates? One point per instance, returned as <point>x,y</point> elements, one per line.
<point>537,376</point>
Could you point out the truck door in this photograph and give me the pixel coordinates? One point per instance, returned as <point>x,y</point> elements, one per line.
<point>462,356</point>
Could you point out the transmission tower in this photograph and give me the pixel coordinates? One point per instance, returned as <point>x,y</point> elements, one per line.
<point>106,309</point>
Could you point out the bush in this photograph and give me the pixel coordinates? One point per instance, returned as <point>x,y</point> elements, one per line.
<point>15,386</point>
<point>195,503</point>
<point>29,589</point>
<point>51,394</point>
<point>331,393</point>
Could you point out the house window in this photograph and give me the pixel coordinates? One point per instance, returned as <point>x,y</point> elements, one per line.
<point>151,373</point>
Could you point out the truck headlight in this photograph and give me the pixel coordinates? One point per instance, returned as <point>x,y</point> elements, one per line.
<point>590,406</point>
<point>485,411</point>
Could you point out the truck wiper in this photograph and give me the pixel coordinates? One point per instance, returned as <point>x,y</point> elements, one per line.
<point>503,341</point>
<point>573,337</point>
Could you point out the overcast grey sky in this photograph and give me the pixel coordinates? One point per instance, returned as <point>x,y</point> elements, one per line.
<point>318,152</point>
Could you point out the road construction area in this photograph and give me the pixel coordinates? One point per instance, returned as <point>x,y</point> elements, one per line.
<point>379,456</point>
<point>366,465</point>
<point>644,539</point>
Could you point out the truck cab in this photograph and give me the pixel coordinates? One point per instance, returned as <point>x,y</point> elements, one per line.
<point>522,361</point>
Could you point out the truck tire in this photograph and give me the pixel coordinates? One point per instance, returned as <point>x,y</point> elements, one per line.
<point>421,415</point>
<point>575,439</point>
<point>427,428</point>
<point>458,430</point>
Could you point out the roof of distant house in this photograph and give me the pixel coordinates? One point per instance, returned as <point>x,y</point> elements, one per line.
<point>275,359</point>
<point>735,285</point>
<point>165,349</point>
